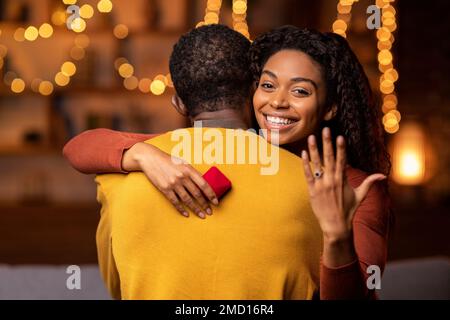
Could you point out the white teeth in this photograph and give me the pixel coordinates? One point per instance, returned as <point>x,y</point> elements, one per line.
<point>277,120</point>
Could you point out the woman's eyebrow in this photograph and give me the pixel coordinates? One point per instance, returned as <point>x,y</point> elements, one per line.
<point>296,79</point>
<point>300,79</point>
<point>269,73</point>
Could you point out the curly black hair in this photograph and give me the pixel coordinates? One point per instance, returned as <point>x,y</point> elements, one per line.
<point>357,117</point>
<point>209,69</point>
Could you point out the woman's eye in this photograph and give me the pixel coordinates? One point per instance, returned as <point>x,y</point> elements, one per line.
<point>267,85</point>
<point>302,92</point>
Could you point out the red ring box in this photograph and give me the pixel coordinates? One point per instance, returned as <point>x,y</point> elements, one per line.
<point>218,181</point>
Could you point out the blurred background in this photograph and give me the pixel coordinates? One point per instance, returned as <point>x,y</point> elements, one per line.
<point>67,66</point>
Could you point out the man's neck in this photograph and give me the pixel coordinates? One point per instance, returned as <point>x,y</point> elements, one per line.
<point>226,118</point>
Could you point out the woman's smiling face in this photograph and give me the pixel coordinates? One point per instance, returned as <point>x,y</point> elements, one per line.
<point>291,96</point>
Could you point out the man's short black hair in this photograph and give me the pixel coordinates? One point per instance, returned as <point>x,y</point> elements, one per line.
<point>210,69</point>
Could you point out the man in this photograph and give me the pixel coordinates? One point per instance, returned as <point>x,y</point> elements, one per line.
<point>263,241</point>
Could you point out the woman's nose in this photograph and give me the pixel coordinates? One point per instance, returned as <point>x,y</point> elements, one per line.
<point>279,101</point>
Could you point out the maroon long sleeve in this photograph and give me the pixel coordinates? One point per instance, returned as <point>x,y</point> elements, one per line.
<point>101,150</point>
<point>370,235</point>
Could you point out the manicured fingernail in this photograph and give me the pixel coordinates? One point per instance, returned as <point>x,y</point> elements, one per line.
<point>185,214</point>
<point>208,211</point>
<point>304,154</point>
<point>326,132</point>
<point>215,201</point>
<point>201,215</point>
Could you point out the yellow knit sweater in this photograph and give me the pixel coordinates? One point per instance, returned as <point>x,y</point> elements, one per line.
<point>262,241</point>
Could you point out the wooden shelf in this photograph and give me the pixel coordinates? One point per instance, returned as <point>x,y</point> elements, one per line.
<point>68,91</point>
<point>29,151</point>
<point>48,234</point>
<point>102,30</point>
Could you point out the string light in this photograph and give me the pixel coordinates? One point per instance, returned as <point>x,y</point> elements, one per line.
<point>46,30</point>
<point>59,17</point>
<point>343,18</point>
<point>68,69</point>
<point>121,31</point>
<point>19,35</point>
<point>35,85</point>
<point>31,33</point>
<point>62,79</point>
<point>212,13</point>
<point>46,88</point>
<point>160,82</point>
<point>131,83</point>
<point>340,26</point>
<point>104,6</point>
<point>86,11</point>
<point>77,53</point>
<point>17,85</point>
<point>240,6</point>
<point>389,75</point>
<point>126,70</point>
<point>157,87</point>
<point>144,85</point>
<point>78,25</point>
<point>239,17</point>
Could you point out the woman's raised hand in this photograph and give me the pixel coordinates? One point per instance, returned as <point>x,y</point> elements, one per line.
<point>333,200</point>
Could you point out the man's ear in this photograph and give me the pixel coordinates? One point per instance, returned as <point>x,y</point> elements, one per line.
<point>179,105</point>
<point>331,113</point>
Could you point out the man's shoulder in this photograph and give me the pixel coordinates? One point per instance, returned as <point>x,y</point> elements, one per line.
<point>109,178</point>
<point>107,185</point>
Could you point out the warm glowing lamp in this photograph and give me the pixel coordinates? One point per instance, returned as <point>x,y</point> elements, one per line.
<point>409,155</point>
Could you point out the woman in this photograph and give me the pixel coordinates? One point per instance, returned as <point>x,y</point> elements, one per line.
<point>306,83</point>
